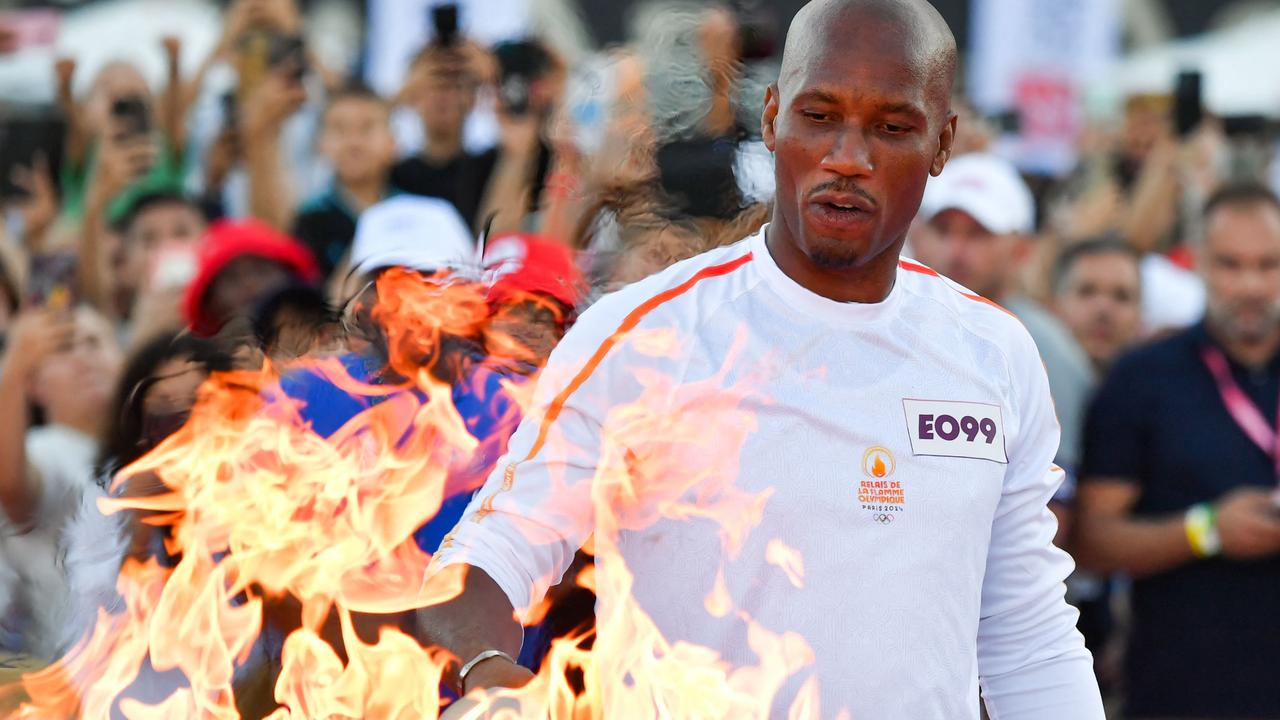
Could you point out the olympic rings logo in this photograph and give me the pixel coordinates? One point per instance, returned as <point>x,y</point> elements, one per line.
<point>883,518</point>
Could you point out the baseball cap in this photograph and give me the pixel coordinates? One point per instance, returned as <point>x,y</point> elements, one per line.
<point>519,264</point>
<point>988,188</point>
<point>420,233</point>
<point>224,242</point>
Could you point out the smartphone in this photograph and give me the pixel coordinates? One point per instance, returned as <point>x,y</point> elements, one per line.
<point>133,115</point>
<point>519,64</point>
<point>288,51</point>
<point>1188,102</point>
<point>52,281</point>
<point>230,111</point>
<point>444,24</point>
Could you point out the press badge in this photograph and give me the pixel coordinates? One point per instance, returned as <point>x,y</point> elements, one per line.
<point>944,428</point>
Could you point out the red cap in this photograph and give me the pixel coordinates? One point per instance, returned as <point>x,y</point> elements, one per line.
<point>517,264</point>
<point>225,241</point>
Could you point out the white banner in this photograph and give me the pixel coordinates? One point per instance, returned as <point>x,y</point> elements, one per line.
<point>1034,58</point>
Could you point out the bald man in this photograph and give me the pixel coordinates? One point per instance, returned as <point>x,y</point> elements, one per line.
<point>899,426</point>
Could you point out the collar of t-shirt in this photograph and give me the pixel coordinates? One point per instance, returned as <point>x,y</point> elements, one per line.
<point>811,304</point>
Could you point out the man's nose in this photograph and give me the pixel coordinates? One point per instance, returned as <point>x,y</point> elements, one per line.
<point>851,154</point>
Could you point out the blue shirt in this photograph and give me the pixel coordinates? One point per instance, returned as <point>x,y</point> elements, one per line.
<point>1206,635</point>
<point>487,409</point>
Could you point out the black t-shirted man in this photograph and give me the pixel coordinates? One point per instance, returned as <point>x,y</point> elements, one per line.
<point>1205,640</point>
<point>1179,484</point>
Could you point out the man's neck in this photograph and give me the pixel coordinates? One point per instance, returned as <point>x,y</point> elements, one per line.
<point>362,193</point>
<point>440,149</point>
<point>870,282</point>
<point>1250,352</point>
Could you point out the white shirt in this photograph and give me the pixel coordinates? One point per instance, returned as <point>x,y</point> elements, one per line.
<point>64,459</point>
<point>941,572</point>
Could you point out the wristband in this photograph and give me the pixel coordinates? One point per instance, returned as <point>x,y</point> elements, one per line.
<point>473,662</point>
<point>1201,524</point>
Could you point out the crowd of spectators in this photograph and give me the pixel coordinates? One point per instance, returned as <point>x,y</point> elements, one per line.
<point>1149,278</point>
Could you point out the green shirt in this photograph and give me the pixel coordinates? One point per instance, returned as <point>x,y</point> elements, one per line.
<point>165,175</point>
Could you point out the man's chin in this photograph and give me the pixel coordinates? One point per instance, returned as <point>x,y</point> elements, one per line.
<point>833,254</point>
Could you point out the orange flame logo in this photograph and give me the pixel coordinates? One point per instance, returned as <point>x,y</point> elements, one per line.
<point>878,462</point>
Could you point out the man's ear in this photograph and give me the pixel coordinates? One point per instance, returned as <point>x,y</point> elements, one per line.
<point>769,117</point>
<point>946,139</point>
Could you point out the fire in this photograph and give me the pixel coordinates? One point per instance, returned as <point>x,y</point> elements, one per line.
<point>265,514</point>
<point>878,468</point>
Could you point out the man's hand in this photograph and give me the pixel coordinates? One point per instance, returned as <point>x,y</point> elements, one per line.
<point>276,98</point>
<point>172,45</point>
<point>35,335</point>
<point>121,162</point>
<point>484,681</point>
<point>1248,524</point>
<point>497,673</point>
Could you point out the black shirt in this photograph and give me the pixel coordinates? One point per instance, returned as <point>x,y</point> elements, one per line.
<point>327,225</point>
<point>461,181</point>
<point>1206,635</point>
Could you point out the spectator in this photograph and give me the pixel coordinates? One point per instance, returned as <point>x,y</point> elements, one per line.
<point>443,85</point>
<point>119,115</point>
<point>424,235</point>
<point>1097,290</point>
<point>1179,483</point>
<point>980,218</point>
<point>65,366</point>
<point>239,265</point>
<point>355,136</point>
<point>533,297</point>
<point>159,236</point>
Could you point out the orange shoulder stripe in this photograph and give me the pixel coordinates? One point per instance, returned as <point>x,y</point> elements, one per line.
<point>629,323</point>
<point>923,270</point>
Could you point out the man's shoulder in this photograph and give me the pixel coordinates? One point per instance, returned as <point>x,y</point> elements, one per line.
<point>670,293</point>
<point>1157,360</point>
<point>979,316</point>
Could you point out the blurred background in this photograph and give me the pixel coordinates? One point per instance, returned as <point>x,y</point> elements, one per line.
<point>188,186</point>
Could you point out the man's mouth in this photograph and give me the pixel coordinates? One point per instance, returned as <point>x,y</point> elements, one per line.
<point>840,211</point>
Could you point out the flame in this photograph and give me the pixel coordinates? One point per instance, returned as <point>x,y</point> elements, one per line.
<point>787,560</point>
<point>878,468</point>
<point>266,515</point>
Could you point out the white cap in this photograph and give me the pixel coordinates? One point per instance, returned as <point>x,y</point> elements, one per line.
<point>415,232</point>
<point>986,187</point>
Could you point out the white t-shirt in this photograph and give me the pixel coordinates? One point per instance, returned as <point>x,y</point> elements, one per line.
<point>64,458</point>
<point>908,449</point>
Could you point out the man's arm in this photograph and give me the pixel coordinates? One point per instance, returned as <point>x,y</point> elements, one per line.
<point>272,103</point>
<point>481,618</point>
<point>1109,538</point>
<point>522,529</point>
<point>34,335</point>
<point>1031,659</point>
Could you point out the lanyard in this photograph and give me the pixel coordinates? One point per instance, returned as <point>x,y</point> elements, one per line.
<point>1241,408</point>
